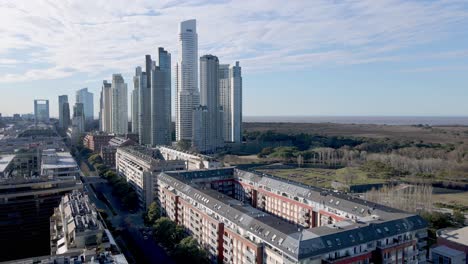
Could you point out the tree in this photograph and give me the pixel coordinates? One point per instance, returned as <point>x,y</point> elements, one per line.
<point>458,217</point>
<point>188,251</point>
<point>300,161</point>
<point>154,212</point>
<point>184,144</point>
<point>110,174</point>
<point>95,158</point>
<point>164,230</point>
<point>130,199</point>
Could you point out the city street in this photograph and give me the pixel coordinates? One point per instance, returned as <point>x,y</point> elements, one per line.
<point>129,224</point>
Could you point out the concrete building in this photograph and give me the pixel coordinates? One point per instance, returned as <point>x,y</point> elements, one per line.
<point>95,141</point>
<point>452,247</point>
<point>225,210</point>
<point>187,94</point>
<point>119,109</point>
<point>193,161</point>
<point>144,103</point>
<point>58,164</point>
<point>140,166</point>
<point>79,120</point>
<point>64,112</point>
<point>235,113</point>
<point>134,100</point>
<point>161,99</point>
<point>208,119</point>
<point>26,204</point>
<point>86,98</point>
<point>108,152</point>
<point>75,226</point>
<point>41,110</point>
<point>105,113</point>
<point>230,92</point>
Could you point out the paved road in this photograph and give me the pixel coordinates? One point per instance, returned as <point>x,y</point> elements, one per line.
<point>144,251</point>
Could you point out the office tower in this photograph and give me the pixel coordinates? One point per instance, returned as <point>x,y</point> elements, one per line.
<point>86,98</point>
<point>106,107</point>
<point>235,76</point>
<point>78,121</point>
<point>119,109</point>
<point>230,92</point>
<point>161,99</point>
<point>41,110</point>
<point>66,115</point>
<point>134,100</point>
<point>144,103</point>
<point>208,119</point>
<point>187,95</point>
<point>62,99</point>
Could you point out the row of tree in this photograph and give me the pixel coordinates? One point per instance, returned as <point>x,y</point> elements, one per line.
<point>182,247</point>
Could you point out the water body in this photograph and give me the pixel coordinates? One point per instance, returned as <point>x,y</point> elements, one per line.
<point>378,120</point>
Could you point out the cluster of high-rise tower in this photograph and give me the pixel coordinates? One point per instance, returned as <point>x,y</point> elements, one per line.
<point>82,115</point>
<point>207,116</point>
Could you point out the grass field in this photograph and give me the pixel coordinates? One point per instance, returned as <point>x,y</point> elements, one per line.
<point>450,197</point>
<point>324,177</point>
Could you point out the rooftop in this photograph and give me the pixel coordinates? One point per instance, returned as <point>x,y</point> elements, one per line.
<point>446,251</point>
<point>5,160</point>
<point>52,160</point>
<point>459,236</point>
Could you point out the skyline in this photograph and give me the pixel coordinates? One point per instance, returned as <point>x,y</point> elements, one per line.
<point>367,58</point>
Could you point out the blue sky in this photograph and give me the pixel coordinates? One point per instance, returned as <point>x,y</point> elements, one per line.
<point>385,57</point>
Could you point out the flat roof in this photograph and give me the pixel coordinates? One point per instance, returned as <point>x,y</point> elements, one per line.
<point>64,160</point>
<point>5,160</point>
<point>446,251</point>
<point>459,236</point>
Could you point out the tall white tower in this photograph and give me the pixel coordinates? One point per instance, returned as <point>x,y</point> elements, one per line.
<point>119,112</point>
<point>106,107</point>
<point>187,94</point>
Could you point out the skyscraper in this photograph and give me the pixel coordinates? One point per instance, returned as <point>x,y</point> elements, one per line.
<point>86,98</point>
<point>134,100</point>
<point>66,115</point>
<point>225,100</point>
<point>211,117</point>
<point>64,120</point>
<point>235,76</point>
<point>41,110</point>
<point>230,92</point>
<point>106,107</point>
<point>78,121</point>
<point>144,104</point>
<point>187,94</point>
<point>161,99</point>
<point>119,109</point>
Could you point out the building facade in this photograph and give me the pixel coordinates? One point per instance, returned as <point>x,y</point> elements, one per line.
<point>224,209</point>
<point>41,111</point>
<point>208,119</point>
<point>64,112</point>
<point>95,141</point>
<point>105,113</point>
<point>119,108</point>
<point>161,99</point>
<point>187,94</point>
<point>140,166</point>
<point>235,111</point>
<point>86,98</point>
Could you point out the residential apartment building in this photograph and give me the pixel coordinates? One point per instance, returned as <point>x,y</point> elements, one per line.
<point>245,217</point>
<point>187,93</point>
<point>105,112</point>
<point>108,152</point>
<point>193,161</point>
<point>139,166</point>
<point>451,247</point>
<point>230,92</point>
<point>95,141</point>
<point>119,105</point>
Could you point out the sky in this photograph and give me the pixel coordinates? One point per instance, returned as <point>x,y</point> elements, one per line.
<point>311,57</point>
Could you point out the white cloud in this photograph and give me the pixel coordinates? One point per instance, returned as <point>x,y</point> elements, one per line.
<point>93,37</point>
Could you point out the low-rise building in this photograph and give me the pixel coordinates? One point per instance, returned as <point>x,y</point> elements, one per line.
<point>303,225</point>
<point>95,141</point>
<point>59,164</point>
<point>452,247</point>
<point>139,166</point>
<point>194,161</point>
<point>108,152</point>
